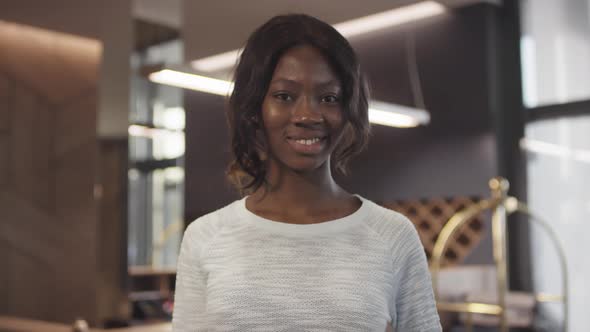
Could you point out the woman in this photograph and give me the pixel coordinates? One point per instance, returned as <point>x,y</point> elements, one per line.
<point>299,253</point>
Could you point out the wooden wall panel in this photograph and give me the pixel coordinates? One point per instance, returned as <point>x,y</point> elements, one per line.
<point>58,66</point>
<point>20,267</point>
<point>4,155</point>
<point>112,228</point>
<point>73,127</point>
<point>51,239</point>
<point>30,255</point>
<point>4,125</point>
<point>42,140</point>
<point>21,141</point>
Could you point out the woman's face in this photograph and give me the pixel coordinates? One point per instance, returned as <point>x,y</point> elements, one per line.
<point>302,110</point>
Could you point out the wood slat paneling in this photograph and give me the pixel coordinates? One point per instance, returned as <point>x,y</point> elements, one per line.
<point>4,99</point>
<point>21,142</point>
<point>4,160</point>
<point>56,66</point>
<point>50,244</point>
<point>42,145</point>
<point>74,125</point>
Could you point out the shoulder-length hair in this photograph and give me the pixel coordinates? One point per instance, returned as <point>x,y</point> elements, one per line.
<point>252,76</point>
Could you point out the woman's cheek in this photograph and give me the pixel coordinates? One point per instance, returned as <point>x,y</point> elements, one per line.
<point>335,120</point>
<point>274,116</point>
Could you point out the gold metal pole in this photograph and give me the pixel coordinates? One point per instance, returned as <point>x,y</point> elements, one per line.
<point>473,307</point>
<point>514,205</point>
<point>499,189</point>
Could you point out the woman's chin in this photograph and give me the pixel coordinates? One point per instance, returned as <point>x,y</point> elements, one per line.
<point>307,166</point>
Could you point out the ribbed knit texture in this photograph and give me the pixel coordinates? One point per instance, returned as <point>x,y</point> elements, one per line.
<point>240,272</point>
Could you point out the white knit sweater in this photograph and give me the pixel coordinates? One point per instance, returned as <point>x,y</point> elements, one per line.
<point>240,272</point>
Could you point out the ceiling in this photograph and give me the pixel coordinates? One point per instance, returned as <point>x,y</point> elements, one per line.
<point>208,27</point>
<point>211,27</point>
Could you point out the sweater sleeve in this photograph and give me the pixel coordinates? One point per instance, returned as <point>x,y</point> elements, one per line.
<point>415,304</point>
<point>189,299</point>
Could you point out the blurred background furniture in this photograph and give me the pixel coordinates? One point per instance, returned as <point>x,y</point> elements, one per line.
<point>151,293</point>
<point>429,216</point>
<point>15,324</point>
<point>493,304</point>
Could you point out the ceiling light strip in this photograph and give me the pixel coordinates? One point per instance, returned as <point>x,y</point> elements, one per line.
<point>192,82</point>
<point>389,18</point>
<point>218,61</point>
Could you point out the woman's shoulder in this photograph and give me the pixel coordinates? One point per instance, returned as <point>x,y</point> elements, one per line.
<point>382,217</point>
<point>210,224</point>
<point>391,226</point>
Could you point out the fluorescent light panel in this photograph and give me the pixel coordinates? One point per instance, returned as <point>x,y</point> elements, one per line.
<point>192,81</point>
<point>217,62</point>
<point>385,118</point>
<point>389,18</point>
<point>379,112</point>
<point>394,115</point>
<point>348,29</point>
<point>142,131</point>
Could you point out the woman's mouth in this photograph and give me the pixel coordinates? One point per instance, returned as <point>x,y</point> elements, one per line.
<point>308,145</point>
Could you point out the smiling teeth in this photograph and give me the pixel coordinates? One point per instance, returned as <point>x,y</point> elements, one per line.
<point>308,141</point>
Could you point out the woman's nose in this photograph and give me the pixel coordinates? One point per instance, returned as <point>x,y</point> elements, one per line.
<point>307,112</point>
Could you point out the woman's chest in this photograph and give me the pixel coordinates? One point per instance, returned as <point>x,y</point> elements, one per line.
<point>319,281</point>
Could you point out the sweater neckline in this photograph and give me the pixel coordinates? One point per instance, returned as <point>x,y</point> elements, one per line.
<point>324,227</point>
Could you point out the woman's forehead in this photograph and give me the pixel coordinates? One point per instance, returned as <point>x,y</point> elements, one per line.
<point>304,64</point>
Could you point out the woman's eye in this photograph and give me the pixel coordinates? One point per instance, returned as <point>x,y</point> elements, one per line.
<point>330,99</point>
<point>283,96</point>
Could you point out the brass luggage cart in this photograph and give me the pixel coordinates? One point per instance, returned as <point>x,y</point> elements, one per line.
<point>501,206</point>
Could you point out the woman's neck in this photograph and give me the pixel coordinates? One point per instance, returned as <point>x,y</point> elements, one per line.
<point>294,193</point>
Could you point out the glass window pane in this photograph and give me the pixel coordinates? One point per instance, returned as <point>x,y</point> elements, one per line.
<point>555,49</point>
<point>558,152</point>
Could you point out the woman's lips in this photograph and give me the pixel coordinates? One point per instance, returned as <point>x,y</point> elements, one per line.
<point>307,145</point>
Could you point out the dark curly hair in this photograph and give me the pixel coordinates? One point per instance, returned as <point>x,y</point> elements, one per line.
<point>247,171</point>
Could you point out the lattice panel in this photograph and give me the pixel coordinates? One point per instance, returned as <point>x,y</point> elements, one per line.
<point>430,215</point>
